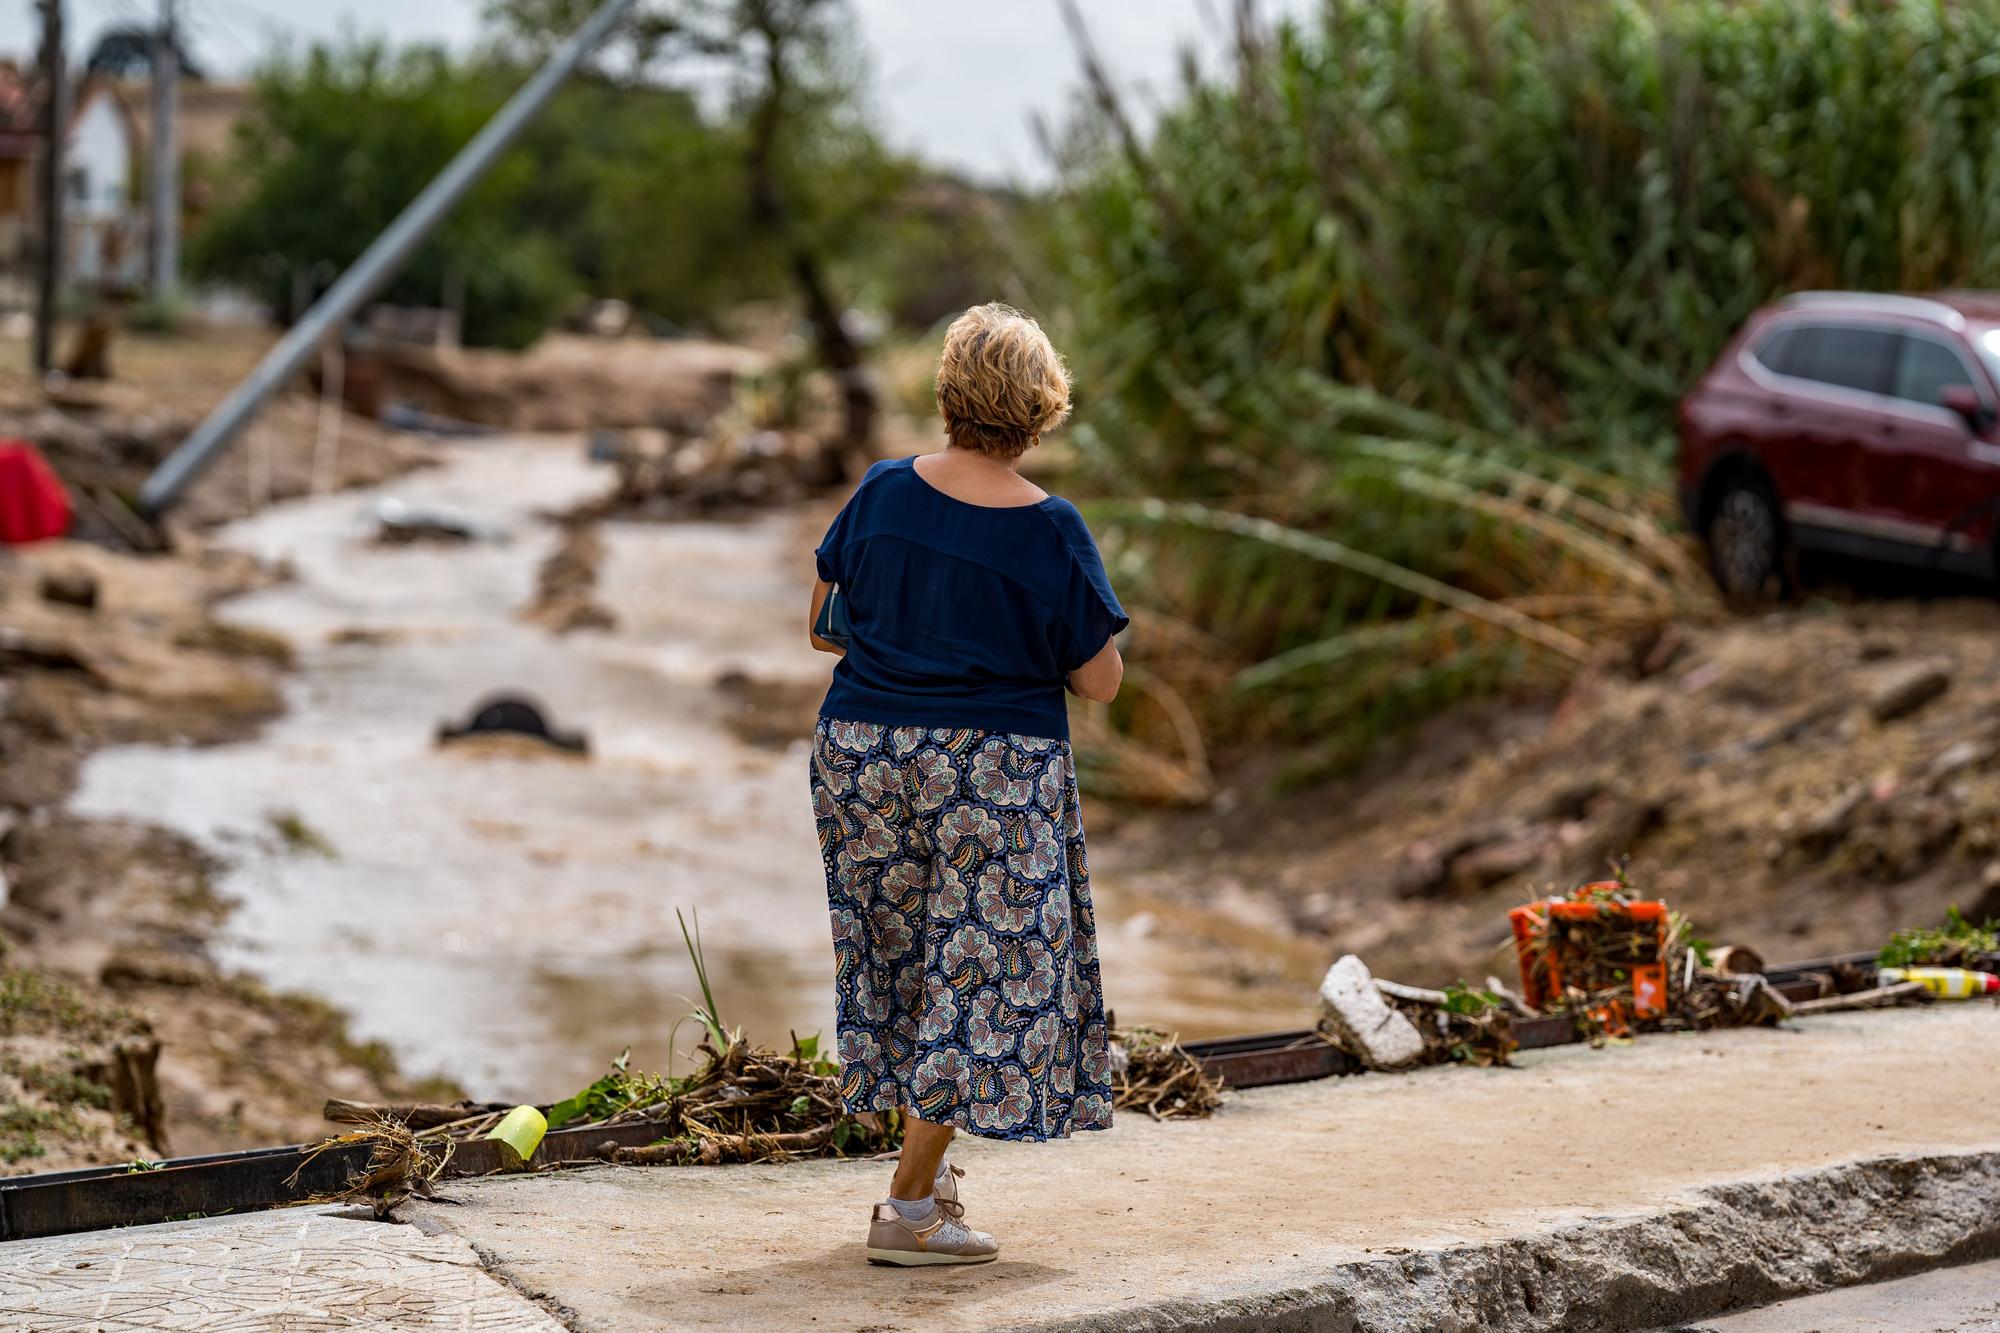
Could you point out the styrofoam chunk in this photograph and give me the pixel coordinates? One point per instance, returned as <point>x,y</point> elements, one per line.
<point>1353,1008</point>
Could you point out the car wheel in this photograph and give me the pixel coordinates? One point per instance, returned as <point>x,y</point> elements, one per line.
<point>1745,547</point>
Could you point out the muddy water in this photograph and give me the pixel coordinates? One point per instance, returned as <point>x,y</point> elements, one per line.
<point>507,916</point>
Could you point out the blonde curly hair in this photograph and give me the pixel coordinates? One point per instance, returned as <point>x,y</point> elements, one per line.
<point>1001,384</point>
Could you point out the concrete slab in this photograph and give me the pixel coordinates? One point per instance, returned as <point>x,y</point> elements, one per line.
<point>1951,1300</point>
<point>301,1270</point>
<point>1257,1218</point>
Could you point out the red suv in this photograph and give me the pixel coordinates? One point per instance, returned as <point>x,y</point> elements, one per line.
<point>1853,423</point>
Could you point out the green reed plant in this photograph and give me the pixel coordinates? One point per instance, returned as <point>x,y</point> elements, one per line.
<point>1380,334</point>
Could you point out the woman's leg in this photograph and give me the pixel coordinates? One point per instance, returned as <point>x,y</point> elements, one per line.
<point>923,1152</point>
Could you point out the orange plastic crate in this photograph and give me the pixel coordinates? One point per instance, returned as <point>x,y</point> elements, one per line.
<point>1549,965</point>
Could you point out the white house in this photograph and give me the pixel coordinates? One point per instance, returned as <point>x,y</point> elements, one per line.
<point>105,223</point>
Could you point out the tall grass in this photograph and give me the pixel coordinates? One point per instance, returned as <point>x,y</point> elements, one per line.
<point>1382,333</point>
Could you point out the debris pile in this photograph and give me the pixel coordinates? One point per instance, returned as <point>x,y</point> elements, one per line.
<point>398,1165</point>
<point>722,469</point>
<point>1600,952</point>
<point>745,1103</point>
<point>398,523</point>
<point>1460,1025</point>
<point>562,383</point>
<point>1152,1072</point>
<point>775,441</point>
<point>1605,964</point>
<point>566,586</point>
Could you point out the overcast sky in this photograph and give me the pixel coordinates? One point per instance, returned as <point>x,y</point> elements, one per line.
<point>956,81</point>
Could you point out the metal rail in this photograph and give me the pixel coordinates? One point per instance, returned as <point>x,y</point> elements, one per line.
<point>93,1198</point>
<point>377,265</point>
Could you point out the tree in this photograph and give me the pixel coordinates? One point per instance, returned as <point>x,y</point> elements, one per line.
<point>794,74</point>
<point>340,141</point>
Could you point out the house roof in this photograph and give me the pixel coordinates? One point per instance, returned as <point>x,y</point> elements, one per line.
<point>209,114</point>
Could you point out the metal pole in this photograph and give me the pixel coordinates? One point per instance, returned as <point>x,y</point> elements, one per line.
<point>390,251</point>
<point>166,159</point>
<point>55,125</point>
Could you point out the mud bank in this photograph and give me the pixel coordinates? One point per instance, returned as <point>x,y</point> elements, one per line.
<point>1804,782</point>
<point>120,1036</point>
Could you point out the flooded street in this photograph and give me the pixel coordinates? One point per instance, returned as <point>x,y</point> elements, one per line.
<point>507,916</point>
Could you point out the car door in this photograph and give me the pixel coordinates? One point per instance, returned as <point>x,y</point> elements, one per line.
<point>1788,426</point>
<point>1833,392</point>
<point>1929,468</point>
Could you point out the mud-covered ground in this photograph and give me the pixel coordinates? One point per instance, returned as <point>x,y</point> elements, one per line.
<point>104,437</point>
<point>107,922</point>
<point>119,1034</point>
<point>1803,782</point>
<point>119,1037</point>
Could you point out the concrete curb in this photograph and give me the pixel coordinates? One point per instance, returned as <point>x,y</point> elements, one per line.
<point>1725,1248</point>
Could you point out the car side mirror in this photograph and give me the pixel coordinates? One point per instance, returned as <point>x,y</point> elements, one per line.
<point>1964,400</point>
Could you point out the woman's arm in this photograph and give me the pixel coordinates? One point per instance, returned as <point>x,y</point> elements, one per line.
<point>820,590</point>
<point>1099,678</point>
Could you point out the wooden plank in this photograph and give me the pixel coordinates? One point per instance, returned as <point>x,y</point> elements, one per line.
<point>1881,996</point>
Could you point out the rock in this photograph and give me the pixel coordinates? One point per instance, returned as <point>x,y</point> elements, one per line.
<point>1986,907</point>
<point>1483,867</point>
<point>1902,690</point>
<point>1573,800</point>
<point>1829,824</point>
<point>1355,1012</point>
<point>1613,836</point>
<point>1419,872</point>
<point>1900,839</point>
<point>1960,757</point>
<point>70,587</point>
<point>153,967</point>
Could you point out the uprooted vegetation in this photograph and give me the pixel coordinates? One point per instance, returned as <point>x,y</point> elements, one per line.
<point>742,1103</point>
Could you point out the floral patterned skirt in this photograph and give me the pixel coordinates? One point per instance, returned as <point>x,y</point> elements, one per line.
<point>965,952</point>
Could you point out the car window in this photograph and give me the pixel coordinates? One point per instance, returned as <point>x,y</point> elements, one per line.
<point>1780,351</point>
<point>1925,368</point>
<point>1850,356</point>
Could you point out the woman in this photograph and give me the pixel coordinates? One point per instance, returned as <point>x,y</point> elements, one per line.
<point>965,951</point>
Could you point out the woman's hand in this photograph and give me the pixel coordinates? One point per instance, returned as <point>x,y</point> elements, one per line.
<point>820,590</point>
<point>1099,678</point>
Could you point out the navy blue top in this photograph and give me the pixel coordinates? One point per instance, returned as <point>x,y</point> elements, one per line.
<point>962,615</point>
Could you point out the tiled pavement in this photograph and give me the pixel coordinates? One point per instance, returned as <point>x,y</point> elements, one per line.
<point>297,1270</point>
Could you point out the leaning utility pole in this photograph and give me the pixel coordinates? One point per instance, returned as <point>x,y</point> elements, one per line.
<point>166,158</point>
<point>55,117</point>
<point>377,265</point>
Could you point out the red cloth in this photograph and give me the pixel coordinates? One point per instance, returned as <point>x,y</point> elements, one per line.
<point>33,503</point>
